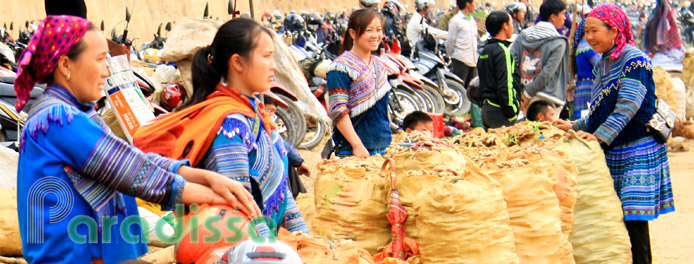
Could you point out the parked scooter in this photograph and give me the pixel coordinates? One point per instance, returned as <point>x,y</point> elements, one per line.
<point>431,64</point>
<point>12,121</point>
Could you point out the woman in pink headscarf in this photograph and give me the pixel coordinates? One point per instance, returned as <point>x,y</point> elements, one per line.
<point>76,180</point>
<point>623,99</point>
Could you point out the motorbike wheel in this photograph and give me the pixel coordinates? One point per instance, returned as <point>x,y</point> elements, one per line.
<point>315,132</point>
<point>284,125</point>
<point>297,120</point>
<point>438,106</point>
<point>402,102</point>
<point>462,103</point>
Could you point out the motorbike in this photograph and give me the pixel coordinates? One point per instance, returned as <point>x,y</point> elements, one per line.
<point>431,64</point>
<point>11,121</point>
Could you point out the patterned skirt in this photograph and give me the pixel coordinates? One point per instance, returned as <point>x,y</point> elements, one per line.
<point>641,176</point>
<point>582,93</point>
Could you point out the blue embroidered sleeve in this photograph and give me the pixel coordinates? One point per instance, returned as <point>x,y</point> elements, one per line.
<point>338,94</point>
<point>104,158</point>
<point>166,163</point>
<point>293,220</point>
<point>228,154</point>
<point>176,193</point>
<point>580,124</point>
<point>629,98</point>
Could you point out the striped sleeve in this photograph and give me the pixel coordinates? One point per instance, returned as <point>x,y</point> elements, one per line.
<point>102,157</point>
<point>629,98</point>
<point>338,94</point>
<point>293,220</point>
<point>228,154</point>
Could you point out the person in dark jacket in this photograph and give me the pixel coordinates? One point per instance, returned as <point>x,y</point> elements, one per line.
<point>296,162</point>
<point>499,83</point>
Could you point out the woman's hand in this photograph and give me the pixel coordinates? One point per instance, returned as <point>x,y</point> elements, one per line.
<point>234,193</point>
<point>586,136</point>
<point>360,151</point>
<point>563,124</point>
<point>303,170</point>
<point>197,193</point>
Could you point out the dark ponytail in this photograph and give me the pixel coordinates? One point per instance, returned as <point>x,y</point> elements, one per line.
<point>358,21</point>
<point>211,64</point>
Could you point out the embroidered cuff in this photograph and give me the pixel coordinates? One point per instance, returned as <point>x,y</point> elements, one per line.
<point>340,115</point>
<point>605,135</point>
<point>176,165</point>
<point>580,124</point>
<point>176,193</point>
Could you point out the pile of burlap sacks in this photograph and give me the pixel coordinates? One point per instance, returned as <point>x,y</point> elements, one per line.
<point>678,91</point>
<point>524,194</point>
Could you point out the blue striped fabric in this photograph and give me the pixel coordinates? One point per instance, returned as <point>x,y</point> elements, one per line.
<point>641,174</point>
<point>241,155</point>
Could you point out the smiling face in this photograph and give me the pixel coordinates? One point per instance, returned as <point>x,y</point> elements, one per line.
<point>371,36</point>
<point>599,36</point>
<point>260,67</point>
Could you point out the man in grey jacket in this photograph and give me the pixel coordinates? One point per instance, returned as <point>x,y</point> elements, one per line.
<point>541,56</point>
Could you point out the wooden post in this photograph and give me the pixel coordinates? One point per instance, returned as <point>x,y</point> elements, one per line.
<point>572,55</point>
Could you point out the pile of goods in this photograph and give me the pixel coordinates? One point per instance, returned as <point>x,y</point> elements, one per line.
<point>521,194</point>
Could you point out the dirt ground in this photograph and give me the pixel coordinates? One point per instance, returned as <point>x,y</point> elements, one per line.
<point>671,233</point>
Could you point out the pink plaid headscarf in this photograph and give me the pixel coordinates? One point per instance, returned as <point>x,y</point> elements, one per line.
<point>613,16</point>
<point>55,37</point>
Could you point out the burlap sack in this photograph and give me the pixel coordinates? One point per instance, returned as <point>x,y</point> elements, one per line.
<point>426,158</point>
<point>410,184</point>
<point>688,70</point>
<point>465,221</point>
<point>314,250</point>
<point>10,240</point>
<point>598,234</point>
<point>187,36</point>
<point>664,88</point>
<point>534,213</point>
<point>307,205</point>
<point>163,256</point>
<point>690,103</point>
<point>352,202</point>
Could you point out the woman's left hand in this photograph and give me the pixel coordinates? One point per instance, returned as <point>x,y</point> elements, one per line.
<point>587,136</point>
<point>232,191</point>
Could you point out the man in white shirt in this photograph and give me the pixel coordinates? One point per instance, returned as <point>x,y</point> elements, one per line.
<point>418,25</point>
<point>462,42</point>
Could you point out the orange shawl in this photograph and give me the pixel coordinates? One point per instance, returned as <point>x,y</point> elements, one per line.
<point>189,133</point>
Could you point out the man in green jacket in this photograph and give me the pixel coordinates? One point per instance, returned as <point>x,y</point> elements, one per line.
<point>499,82</point>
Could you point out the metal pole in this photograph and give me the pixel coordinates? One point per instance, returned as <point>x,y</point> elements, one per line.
<point>250,4</point>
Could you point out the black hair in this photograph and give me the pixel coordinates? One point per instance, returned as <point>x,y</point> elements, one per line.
<point>536,108</point>
<point>211,64</point>
<point>495,21</point>
<point>358,21</point>
<point>551,7</point>
<point>461,3</point>
<point>267,100</point>
<point>77,50</point>
<point>66,7</point>
<point>413,119</point>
